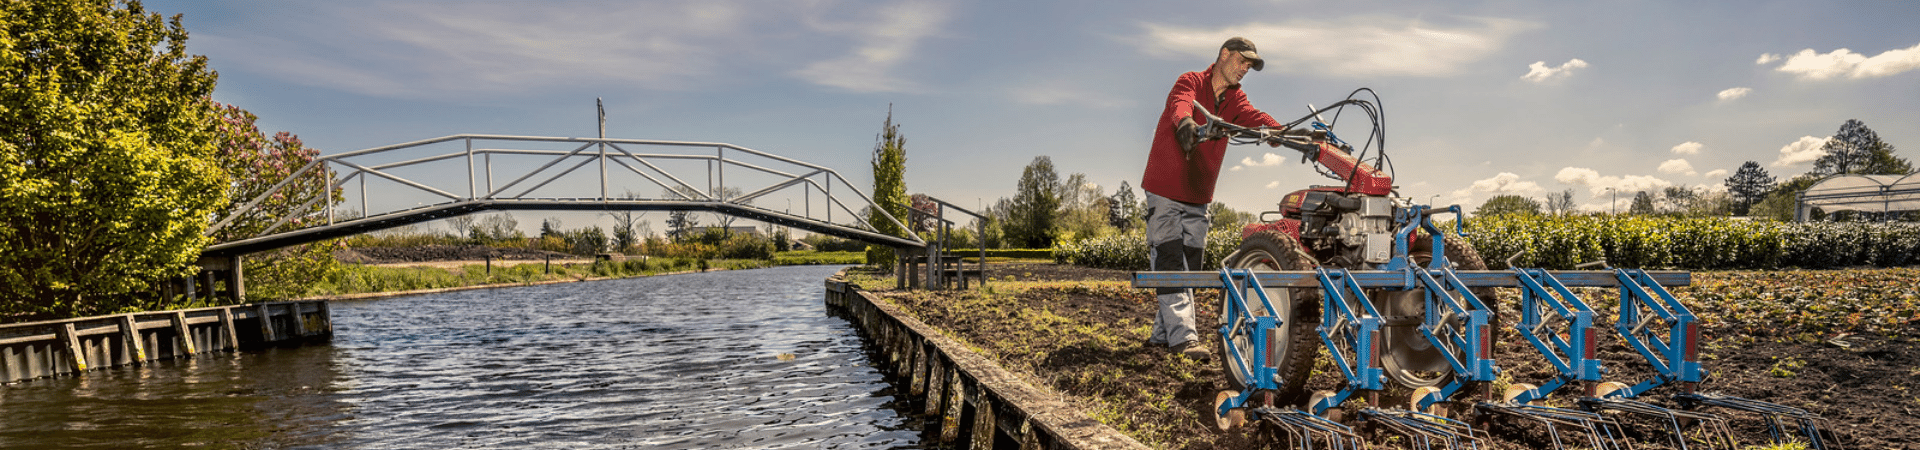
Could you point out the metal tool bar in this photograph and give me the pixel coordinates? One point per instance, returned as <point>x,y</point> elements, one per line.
<point>1545,300</point>
<point>1398,279</point>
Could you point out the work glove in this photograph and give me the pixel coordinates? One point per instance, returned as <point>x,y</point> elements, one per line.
<point>1187,133</point>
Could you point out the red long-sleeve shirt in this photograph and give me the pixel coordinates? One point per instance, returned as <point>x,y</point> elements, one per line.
<point>1169,173</point>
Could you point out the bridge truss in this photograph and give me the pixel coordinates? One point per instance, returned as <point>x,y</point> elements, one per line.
<point>396,186</point>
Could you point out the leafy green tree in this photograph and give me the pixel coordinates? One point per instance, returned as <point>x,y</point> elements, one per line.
<point>1083,209</point>
<point>1749,185</point>
<point>108,170</point>
<point>1507,204</point>
<point>1224,217</point>
<point>1781,201</point>
<point>1033,215</point>
<point>889,188</point>
<point>1123,209</point>
<point>1856,149</point>
<point>1642,203</point>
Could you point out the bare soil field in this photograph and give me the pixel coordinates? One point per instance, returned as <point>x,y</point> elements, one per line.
<point>1082,332</point>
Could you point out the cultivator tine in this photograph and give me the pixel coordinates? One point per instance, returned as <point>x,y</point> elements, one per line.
<point>1717,434</point>
<point>1804,423</point>
<point>1424,431</point>
<point>1602,433</point>
<point>1310,431</point>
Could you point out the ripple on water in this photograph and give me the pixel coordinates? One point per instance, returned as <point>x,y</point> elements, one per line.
<point>684,361</point>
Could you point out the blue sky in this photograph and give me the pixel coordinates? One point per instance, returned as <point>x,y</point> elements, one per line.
<point>1484,98</point>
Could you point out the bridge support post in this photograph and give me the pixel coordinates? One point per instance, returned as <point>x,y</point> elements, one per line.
<point>230,268</point>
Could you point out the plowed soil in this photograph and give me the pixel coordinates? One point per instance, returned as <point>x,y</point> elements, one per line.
<point>1082,332</point>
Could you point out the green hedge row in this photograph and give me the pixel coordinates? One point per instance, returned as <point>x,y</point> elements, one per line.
<point>1128,251</point>
<point>1692,243</point>
<point>1010,253</point>
<point>1650,242</point>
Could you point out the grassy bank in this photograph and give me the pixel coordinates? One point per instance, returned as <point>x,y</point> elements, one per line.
<point>361,279</point>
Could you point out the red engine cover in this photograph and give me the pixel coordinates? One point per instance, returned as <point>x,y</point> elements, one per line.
<point>1361,177</point>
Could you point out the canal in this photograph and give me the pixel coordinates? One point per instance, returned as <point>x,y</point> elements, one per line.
<point>739,359</point>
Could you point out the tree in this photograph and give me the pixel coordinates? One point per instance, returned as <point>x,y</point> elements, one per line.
<point>1642,203</point>
<point>1560,203</point>
<point>257,163</point>
<point>1083,209</point>
<point>107,158</point>
<point>1856,149</point>
<point>1123,209</point>
<point>1507,204</point>
<point>1226,218</point>
<point>1749,185</point>
<point>889,188</point>
<point>1781,201</point>
<point>1033,213</point>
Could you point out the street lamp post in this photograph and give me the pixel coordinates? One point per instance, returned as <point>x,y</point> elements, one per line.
<point>1615,203</point>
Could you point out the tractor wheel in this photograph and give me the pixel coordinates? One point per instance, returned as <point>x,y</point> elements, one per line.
<point>1411,360</point>
<point>1293,349</point>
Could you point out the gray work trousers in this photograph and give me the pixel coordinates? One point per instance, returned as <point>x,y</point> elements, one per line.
<point>1176,239</point>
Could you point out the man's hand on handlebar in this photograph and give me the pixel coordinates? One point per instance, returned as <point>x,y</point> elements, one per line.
<point>1188,135</point>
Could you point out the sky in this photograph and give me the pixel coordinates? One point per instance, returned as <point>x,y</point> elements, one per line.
<point>1483,98</point>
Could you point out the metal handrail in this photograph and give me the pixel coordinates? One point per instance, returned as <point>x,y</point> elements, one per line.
<point>810,178</point>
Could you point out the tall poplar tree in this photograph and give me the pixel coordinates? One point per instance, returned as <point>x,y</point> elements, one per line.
<point>889,188</point>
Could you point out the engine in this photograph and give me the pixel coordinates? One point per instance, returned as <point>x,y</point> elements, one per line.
<point>1350,230</point>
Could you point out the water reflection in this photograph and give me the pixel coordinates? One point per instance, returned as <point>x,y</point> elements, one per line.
<point>746,359</point>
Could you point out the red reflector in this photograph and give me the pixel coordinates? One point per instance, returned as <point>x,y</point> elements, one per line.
<point>1588,351</point>
<point>1693,341</point>
<point>1273,348</point>
<point>1486,343</point>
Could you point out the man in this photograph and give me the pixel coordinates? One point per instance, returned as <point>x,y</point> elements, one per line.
<point>1180,179</point>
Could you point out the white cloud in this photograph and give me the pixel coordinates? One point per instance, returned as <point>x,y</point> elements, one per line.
<point>1766,58</point>
<point>1598,184</point>
<point>1715,173</point>
<point>1734,93</point>
<point>1811,65</point>
<point>1677,167</point>
<point>1266,160</point>
<point>1354,46</point>
<point>1236,168</point>
<point>887,39</point>
<point>411,50</point>
<point>1538,72</point>
<point>1272,185</point>
<point>1688,148</point>
<point>1504,183</point>
<point>1802,151</point>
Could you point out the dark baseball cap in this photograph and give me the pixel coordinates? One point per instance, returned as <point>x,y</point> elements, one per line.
<point>1245,47</point>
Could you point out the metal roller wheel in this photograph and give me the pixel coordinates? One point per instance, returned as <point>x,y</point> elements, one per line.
<point>1411,361</point>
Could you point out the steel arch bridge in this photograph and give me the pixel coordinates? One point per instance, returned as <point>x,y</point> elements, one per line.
<point>397,186</point>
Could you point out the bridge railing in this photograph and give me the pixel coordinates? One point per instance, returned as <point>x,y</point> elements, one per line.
<point>686,180</point>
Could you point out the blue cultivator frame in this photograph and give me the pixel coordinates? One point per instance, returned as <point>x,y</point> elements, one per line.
<point>1554,320</point>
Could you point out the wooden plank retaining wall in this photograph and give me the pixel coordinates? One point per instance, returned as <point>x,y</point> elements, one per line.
<point>980,405</point>
<point>69,347</point>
